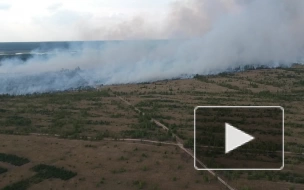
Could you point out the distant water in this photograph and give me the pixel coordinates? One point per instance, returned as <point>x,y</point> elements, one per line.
<point>25,50</point>
<point>15,47</point>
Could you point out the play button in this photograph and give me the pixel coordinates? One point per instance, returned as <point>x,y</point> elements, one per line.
<point>238,138</point>
<point>235,138</point>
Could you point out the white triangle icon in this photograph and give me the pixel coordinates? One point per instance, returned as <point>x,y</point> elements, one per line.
<point>235,138</point>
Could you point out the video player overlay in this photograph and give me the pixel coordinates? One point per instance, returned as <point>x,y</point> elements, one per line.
<point>239,138</point>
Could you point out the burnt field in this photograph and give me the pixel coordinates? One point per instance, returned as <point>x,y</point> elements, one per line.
<point>129,136</point>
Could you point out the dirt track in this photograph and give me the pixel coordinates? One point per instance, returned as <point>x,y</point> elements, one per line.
<point>180,144</point>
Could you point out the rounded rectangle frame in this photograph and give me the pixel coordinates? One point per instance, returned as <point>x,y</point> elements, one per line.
<point>248,169</point>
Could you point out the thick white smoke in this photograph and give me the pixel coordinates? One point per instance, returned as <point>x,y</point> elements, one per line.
<point>216,36</point>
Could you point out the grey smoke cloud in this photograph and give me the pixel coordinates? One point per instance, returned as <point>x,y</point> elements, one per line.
<point>184,19</point>
<point>217,35</point>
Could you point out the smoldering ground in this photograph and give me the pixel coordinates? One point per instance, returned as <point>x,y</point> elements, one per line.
<point>202,37</point>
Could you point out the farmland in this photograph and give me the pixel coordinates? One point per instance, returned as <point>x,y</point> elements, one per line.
<point>110,137</point>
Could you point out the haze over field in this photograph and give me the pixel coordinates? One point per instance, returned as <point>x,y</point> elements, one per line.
<point>202,37</point>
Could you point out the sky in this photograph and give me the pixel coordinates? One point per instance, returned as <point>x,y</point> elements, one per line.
<point>54,20</point>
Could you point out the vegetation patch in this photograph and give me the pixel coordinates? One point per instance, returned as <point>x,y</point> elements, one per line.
<point>13,159</point>
<point>2,170</point>
<point>43,172</point>
<point>18,120</point>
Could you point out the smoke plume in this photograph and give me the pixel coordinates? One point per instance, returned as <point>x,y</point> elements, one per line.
<point>203,37</point>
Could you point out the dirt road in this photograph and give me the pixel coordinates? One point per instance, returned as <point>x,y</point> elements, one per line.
<point>180,143</point>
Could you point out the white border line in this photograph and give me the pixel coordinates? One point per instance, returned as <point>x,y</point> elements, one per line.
<point>256,169</point>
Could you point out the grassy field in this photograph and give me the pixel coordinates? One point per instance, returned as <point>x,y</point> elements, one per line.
<point>98,139</point>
